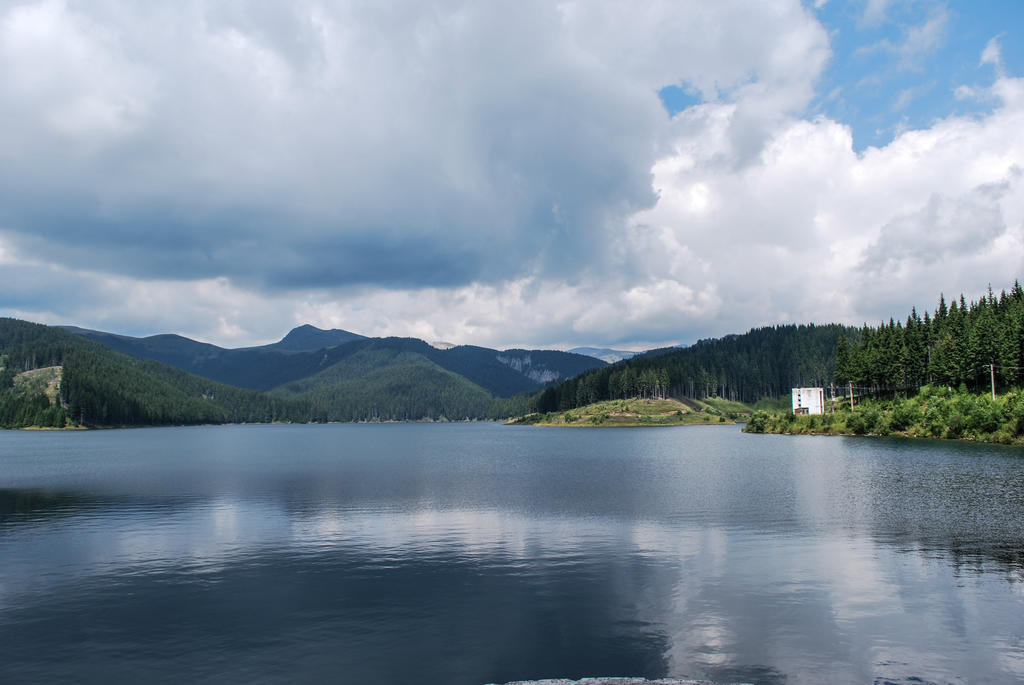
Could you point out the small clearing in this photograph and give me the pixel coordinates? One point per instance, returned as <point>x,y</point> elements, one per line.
<point>44,381</point>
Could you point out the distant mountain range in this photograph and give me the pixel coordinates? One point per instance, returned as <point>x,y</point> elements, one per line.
<point>60,376</point>
<point>605,354</point>
<point>308,359</point>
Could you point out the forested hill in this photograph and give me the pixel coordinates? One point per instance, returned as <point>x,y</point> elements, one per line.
<point>764,362</point>
<point>964,343</point>
<point>52,378</point>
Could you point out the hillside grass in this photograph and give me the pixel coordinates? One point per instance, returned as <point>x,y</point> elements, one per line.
<point>623,413</point>
<point>729,408</point>
<point>774,404</point>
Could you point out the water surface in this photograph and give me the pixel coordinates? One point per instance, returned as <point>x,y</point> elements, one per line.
<point>476,553</point>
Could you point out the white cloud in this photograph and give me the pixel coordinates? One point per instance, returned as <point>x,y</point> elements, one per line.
<point>965,92</point>
<point>992,54</point>
<point>820,232</point>
<point>918,42</point>
<point>907,96</point>
<point>875,11</point>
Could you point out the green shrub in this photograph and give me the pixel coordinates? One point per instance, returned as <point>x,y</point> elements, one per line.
<point>905,415</point>
<point>935,420</point>
<point>883,426</point>
<point>871,417</point>
<point>955,425</point>
<point>758,422</point>
<point>985,415</point>
<point>1014,411</point>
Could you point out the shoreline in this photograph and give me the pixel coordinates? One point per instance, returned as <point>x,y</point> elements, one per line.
<point>899,435</point>
<point>694,424</point>
<point>40,429</point>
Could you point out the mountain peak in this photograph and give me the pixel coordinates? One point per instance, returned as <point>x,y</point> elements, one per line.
<point>309,337</point>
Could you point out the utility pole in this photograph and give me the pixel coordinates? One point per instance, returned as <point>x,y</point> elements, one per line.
<point>992,371</point>
<point>851,395</point>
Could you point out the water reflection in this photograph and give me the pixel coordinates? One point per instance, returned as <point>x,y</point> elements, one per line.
<point>451,563</point>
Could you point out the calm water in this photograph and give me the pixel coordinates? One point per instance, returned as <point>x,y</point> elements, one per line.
<point>479,553</point>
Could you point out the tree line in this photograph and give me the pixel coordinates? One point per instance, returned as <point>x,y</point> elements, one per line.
<point>962,344</point>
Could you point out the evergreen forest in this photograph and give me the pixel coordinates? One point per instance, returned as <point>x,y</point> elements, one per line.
<point>966,345</point>
<point>762,363</point>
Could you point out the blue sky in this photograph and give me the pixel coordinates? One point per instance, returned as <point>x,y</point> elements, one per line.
<point>898,65</point>
<point>515,173</point>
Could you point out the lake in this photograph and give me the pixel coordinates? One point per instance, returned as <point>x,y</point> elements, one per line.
<point>480,553</point>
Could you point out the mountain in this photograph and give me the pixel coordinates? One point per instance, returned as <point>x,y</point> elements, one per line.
<point>509,372</point>
<point>308,338</point>
<point>51,377</point>
<point>169,348</point>
<point>395,382</point>
<point>502,373</point>
<point>604,354</point>
<point>254,368</point>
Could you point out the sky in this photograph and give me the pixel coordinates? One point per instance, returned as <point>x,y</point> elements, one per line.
<point>508,174</point>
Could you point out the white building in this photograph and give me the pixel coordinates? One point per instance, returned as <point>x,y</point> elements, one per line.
<point>808,400</point>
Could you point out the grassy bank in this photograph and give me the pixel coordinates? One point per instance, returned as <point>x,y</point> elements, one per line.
<point>934,413</point>
<point>632,412</point>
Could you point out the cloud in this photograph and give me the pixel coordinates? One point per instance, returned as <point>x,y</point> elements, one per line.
<point>918,41</point>
<point>325,146</point>
<point>993,54</point>
<point>500,173</point>
<point>907,96</point>
<point>875,11</point>
<point>819,232</point>
<point>413,145</point>
<point>943,229</point>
